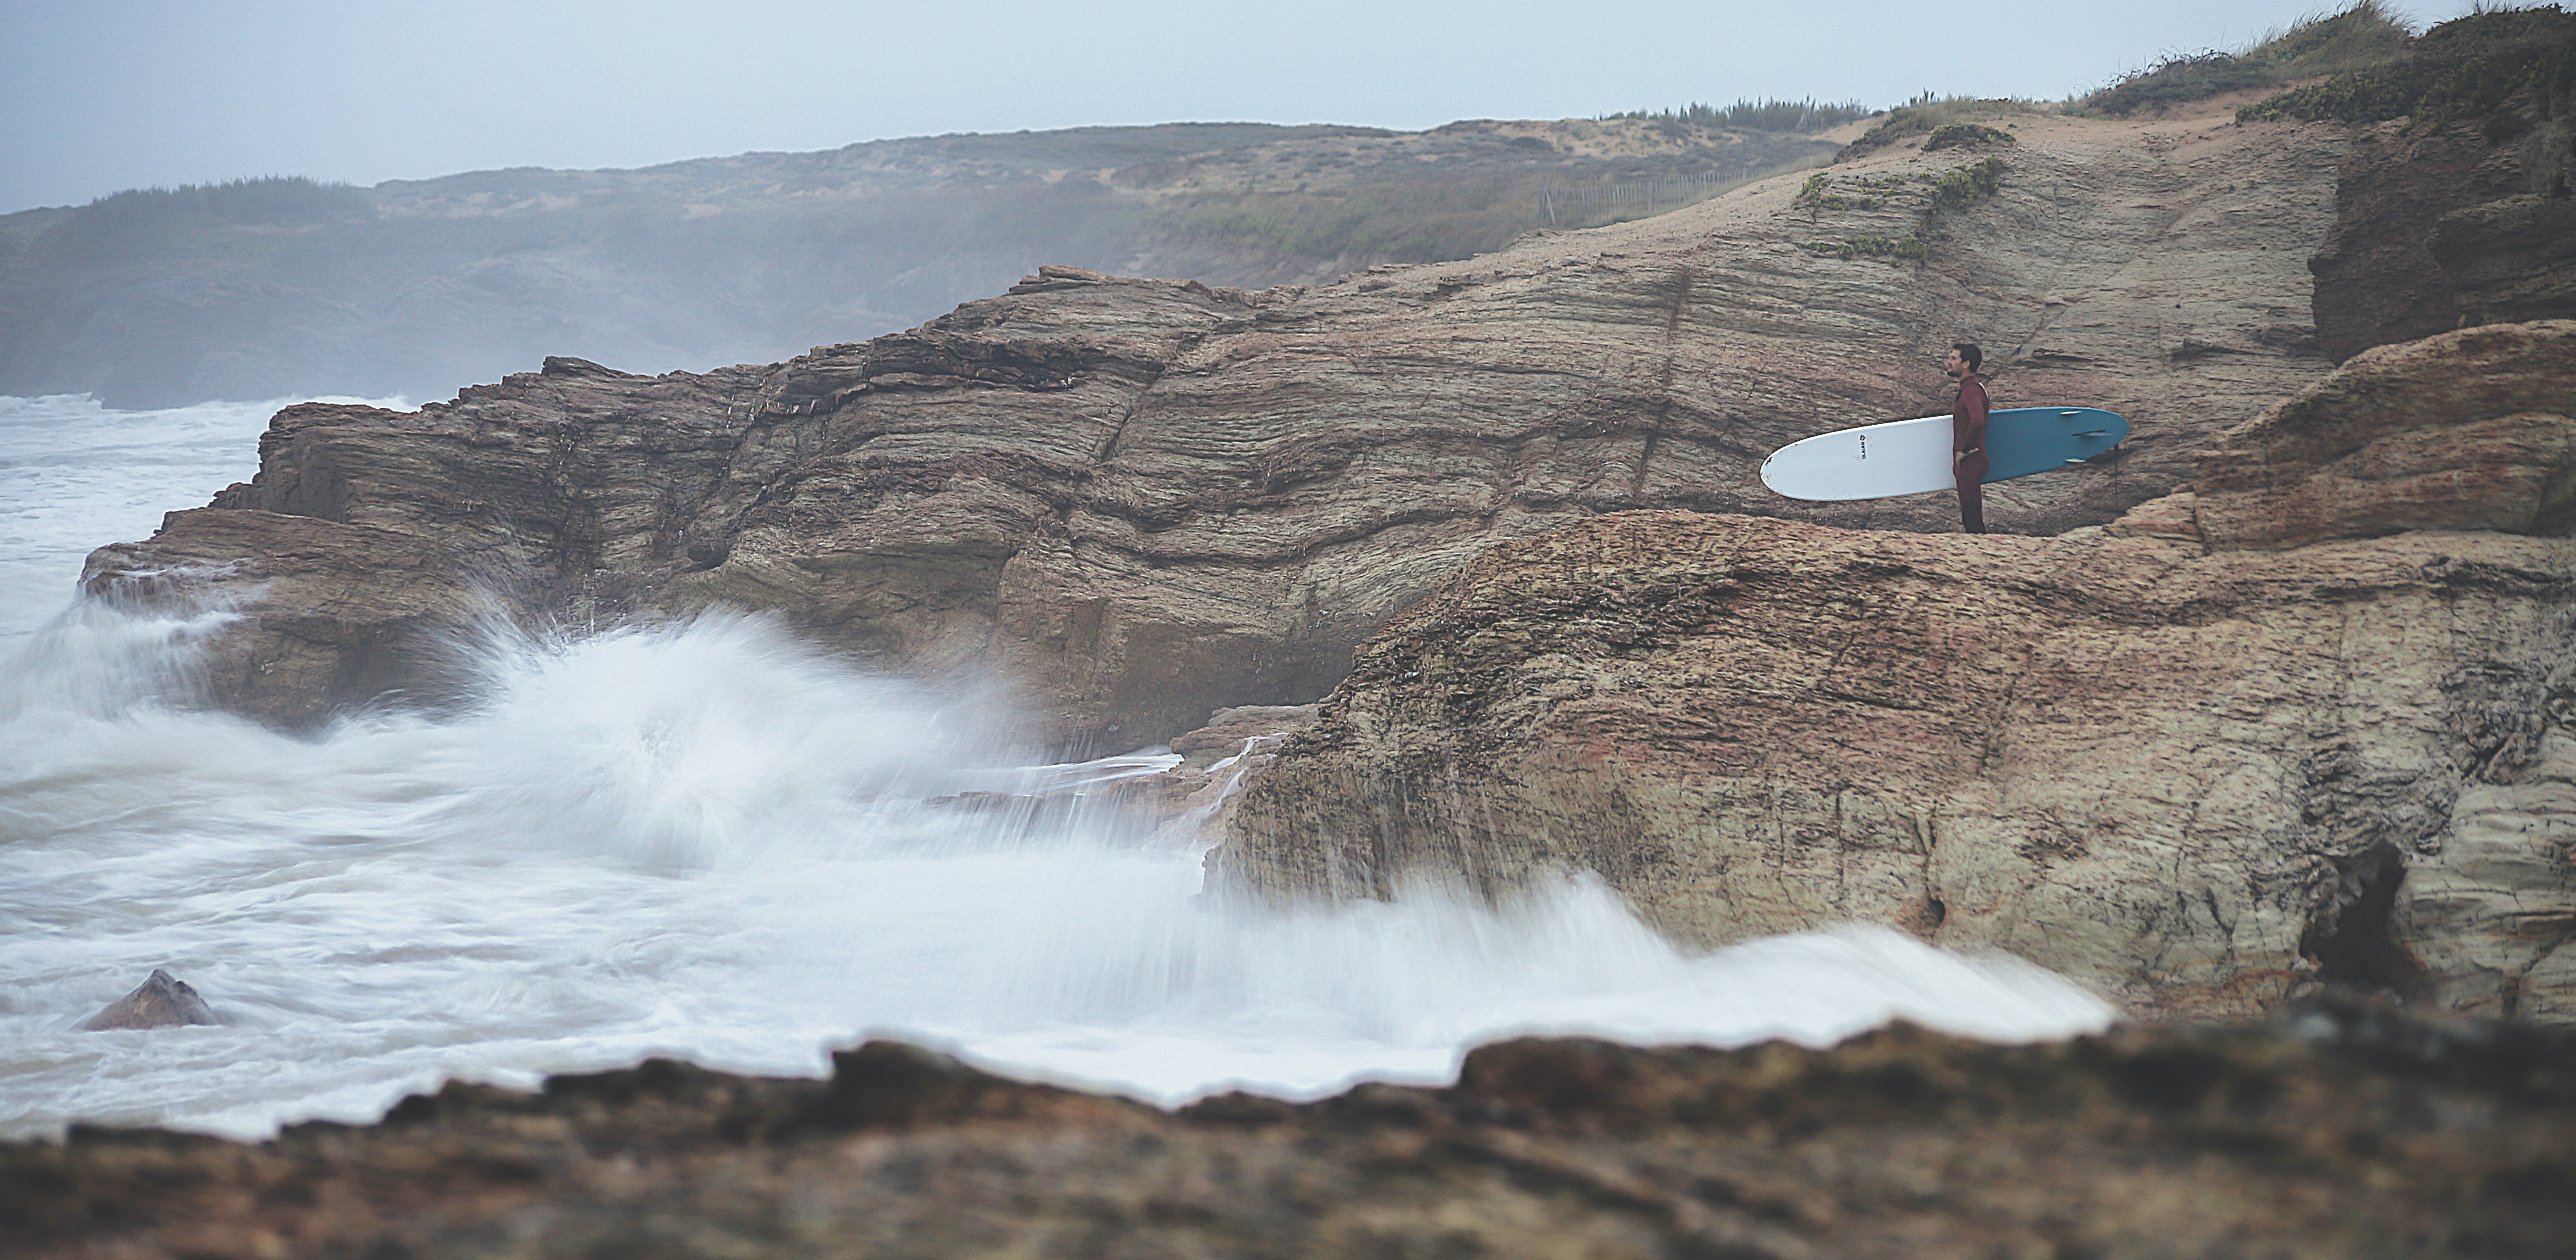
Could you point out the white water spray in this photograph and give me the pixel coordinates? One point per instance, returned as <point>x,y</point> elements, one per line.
<point>707,840</point>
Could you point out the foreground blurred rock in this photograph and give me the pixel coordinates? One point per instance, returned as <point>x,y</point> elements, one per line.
<point>161,1001</point>
<point>2199,776</point>
<point>2341,1133</point>
<point>1145,500</point>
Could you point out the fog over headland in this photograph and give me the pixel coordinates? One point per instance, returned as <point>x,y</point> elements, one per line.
<point>103,98</point>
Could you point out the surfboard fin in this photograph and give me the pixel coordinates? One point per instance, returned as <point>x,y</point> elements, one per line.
<point>2075,461</point>
<point>2092,433</point>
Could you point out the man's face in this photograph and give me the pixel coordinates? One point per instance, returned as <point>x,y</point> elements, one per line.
<point>1954,365</point>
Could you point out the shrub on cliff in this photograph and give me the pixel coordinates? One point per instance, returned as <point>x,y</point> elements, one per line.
<point>1969,135</point>
<point>1927,115</point>
<point>2461,68</point>
<point>2366,34</point>
<point>1964,187</point>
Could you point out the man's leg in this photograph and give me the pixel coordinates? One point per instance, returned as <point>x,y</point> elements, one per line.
<point>1972,494</point>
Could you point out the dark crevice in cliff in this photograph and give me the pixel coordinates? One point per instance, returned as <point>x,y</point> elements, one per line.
<point>2349,939</point>
<point>2453,211</point>
<point>1673,316</point>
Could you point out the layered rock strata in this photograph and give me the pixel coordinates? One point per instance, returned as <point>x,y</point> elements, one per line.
<point>2308,723</point>
<point>2344,1133</point>
<point>1145,500</point>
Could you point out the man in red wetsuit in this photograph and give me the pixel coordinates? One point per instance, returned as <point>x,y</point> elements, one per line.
<point>1968,460</point>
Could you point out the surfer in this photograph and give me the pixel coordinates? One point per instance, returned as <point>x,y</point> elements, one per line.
<point>1968,459</point>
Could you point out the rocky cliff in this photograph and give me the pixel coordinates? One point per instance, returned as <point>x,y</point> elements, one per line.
<point>2344,1132</point>
<point>2308,721</point>
<point>1145,500</point>
<point>2453,207</point>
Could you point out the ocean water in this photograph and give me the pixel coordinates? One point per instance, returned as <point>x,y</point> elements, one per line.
<point>705,839</point>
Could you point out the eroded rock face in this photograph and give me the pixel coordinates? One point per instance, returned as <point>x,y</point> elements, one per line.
<point>2443,224</point>
<point>2194,775</point>
<point>2474,430</point>
<point>2342,1133</point>
<point>1146,500</point>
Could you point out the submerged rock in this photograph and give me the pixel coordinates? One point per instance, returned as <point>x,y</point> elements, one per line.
<point>2198,776</point>
<point>2345,1131</point>
<point>161,1001</point>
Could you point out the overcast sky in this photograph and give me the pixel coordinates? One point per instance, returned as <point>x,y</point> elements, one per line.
<point>100,95</point>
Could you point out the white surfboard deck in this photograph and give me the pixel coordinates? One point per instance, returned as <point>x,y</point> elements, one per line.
<point>1913,456</point>
<point>1870,462</point>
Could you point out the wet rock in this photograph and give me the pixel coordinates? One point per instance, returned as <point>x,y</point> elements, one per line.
<point>1197,796</point>
<point>1176,798</point>
<point>2345,1130</point>
<point>161,1001</point>
<point>1229,733</point>
<point>2200,777</point>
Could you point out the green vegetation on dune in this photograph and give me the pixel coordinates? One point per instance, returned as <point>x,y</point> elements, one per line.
<point>2373,67</point>
<point>1800,117</point>
<point>2367,34</point>
<point>2358,64</point>
<point>1966,135</point>
<point>1963,188</point>
<point>1927,114</point>
<point>146,222</point>
<point>2462,68</point>
<point>1893,248</point>
<point>274,201</point>
<point>1092,148</point>
<point>239,219</point>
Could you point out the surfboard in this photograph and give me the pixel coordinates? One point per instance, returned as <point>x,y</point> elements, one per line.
<point>1913,456</point>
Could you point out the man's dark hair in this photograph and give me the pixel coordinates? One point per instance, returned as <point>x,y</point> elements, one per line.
<point>1968,350</point>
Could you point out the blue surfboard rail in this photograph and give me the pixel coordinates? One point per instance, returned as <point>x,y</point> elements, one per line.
<point>2025,440</point>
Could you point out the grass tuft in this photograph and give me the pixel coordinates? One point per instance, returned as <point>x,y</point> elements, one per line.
<point>2367,34</point>
<point>1927,114</point>
<point>2462,68</point>
<point>1966,135</point>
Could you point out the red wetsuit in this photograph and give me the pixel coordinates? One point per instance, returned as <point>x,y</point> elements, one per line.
<point>1968,438</point>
